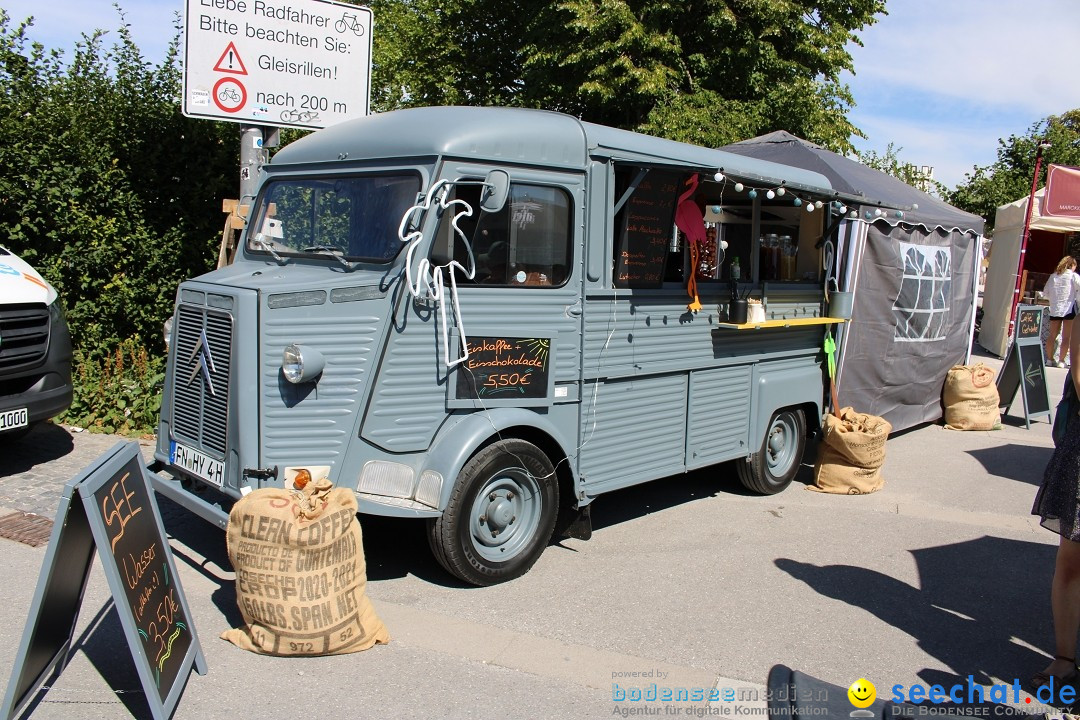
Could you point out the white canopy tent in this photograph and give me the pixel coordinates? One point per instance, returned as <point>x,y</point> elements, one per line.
<point>1002,273</point>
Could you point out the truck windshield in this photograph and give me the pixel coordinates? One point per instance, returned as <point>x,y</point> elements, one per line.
<point>353,217</point>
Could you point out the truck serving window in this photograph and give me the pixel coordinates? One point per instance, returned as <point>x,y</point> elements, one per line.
<point>526,243</point>
<point>356,217</point>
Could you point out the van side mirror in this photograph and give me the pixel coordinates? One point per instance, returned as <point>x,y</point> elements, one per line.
<point>496,188</point>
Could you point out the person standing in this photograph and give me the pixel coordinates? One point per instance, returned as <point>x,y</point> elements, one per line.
<point>1061,290</point>
<point>1058,504</point>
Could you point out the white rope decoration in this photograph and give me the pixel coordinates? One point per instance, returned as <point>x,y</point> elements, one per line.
<point>427,281</point>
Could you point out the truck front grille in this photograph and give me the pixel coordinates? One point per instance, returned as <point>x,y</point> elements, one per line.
<point>24,335</point>
<point>203,338</point>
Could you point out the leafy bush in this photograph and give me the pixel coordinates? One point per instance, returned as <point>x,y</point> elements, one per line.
<point>105,187</point>
<point>119,392</point>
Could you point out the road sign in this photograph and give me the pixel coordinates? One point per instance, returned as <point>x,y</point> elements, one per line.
<point>306,63</point>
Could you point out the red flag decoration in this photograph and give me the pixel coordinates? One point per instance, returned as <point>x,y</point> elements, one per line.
<point>1062,196</point>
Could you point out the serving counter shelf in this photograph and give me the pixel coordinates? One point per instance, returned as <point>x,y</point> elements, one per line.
<point>782,323</point>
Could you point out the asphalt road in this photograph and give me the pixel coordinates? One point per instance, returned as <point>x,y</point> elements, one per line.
<point>687,582</point>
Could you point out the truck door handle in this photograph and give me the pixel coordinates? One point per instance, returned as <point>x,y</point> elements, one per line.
<point>574,310</point>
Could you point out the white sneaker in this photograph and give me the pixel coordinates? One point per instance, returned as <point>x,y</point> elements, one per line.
<point>1060,364</point>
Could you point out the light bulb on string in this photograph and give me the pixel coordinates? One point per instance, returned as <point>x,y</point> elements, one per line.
<point>752,194</point>
<point>738,187</point>
<point>781,191</point>
<point>809,207</point>
<point>718,177</point>
<point>770,194</point>
<point>796,202</point>
<point>817,204</point>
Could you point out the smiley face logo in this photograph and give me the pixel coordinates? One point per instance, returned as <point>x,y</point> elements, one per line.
<point>862,693</point>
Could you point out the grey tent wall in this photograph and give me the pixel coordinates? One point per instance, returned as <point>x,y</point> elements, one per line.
<point>911,322</point>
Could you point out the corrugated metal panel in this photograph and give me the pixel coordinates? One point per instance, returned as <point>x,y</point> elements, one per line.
<point>648,335</point>
<point>718,419</point>
<point>313,422</point>
<point>409,402</point>
<point>639,431</point>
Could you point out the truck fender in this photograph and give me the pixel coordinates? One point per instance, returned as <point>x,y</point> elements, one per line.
<point>456,443</point>
<point>776,388</point>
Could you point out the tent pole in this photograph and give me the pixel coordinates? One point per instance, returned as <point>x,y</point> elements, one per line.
<point>1024,237</point>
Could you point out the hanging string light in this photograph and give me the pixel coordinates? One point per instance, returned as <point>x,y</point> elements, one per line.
<point>810,203</point>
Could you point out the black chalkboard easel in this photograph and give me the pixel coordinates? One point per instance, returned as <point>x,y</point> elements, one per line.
<point>1024,369</point>
<point>110,506</point>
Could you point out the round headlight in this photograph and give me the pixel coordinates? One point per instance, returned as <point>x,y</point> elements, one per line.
<point>301,364</point>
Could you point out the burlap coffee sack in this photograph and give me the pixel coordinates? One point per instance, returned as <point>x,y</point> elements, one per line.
<point>851,454</point>
<point>971,398</point>
<point>300,573</point>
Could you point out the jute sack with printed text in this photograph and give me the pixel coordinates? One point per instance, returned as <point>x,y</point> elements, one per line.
<point>971,398</point>
<point>851,454</point>
<point>300,573</point>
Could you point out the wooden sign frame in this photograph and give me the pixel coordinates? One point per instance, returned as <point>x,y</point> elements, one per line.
<point>110,506</point>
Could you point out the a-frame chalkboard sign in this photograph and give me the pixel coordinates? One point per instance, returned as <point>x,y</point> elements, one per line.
<point>1024,369</point>
<point>110,506</point>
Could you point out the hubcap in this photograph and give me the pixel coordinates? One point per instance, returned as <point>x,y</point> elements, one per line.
<point>505,514</point>
<point>781,445</point>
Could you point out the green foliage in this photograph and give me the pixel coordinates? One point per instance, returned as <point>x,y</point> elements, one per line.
<point>105,187</point>
<point>890,164</point>
<point>703,71</point>
<point>119,392</point>
<point>1009,178</point>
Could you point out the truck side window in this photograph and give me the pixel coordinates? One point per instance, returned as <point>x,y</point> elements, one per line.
<point>527,243</point>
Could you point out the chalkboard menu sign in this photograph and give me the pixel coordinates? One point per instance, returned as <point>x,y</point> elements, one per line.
<point>1023,368</point>
<point>503,370</point>
<point>648,222</point>
<point>112,507</point>
<point>1029,322</point>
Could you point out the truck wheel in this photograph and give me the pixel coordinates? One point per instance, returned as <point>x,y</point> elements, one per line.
<point>771,469</point>
<point>500,515</point>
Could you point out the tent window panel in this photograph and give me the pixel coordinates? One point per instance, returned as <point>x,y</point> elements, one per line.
<point>921,308</point>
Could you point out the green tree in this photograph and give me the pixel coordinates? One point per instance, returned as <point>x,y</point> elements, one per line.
<point>104,186</point>
<point>1009,177</point>
<point>703,71</point>
<point>890,163</point>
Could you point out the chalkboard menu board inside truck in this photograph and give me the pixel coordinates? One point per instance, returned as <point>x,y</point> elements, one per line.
<point>110,506</point>
<point>648,220</point>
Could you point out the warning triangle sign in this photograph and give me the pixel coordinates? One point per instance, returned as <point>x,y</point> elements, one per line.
<point>230,62</point>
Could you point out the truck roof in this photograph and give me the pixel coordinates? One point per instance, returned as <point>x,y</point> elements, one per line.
<point>527,137</point>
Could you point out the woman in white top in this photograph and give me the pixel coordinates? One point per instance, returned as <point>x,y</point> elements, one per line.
<point>1061,290</point>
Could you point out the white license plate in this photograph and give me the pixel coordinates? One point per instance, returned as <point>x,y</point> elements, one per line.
<point>197,463</point>
<point>11,419</point>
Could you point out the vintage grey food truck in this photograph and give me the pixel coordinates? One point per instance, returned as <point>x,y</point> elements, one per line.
<point>485,318</point>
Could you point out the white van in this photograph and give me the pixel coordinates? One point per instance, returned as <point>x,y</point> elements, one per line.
<point>35,348</point>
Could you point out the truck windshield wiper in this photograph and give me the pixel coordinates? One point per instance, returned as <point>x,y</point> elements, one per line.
<point>334,252</point>
<point>258,240</point>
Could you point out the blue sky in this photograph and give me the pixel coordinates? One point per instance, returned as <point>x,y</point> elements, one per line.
<point>942,80</point>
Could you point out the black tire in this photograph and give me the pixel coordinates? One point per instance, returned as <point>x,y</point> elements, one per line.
<point>500,515</point>
<point>771,469</point>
